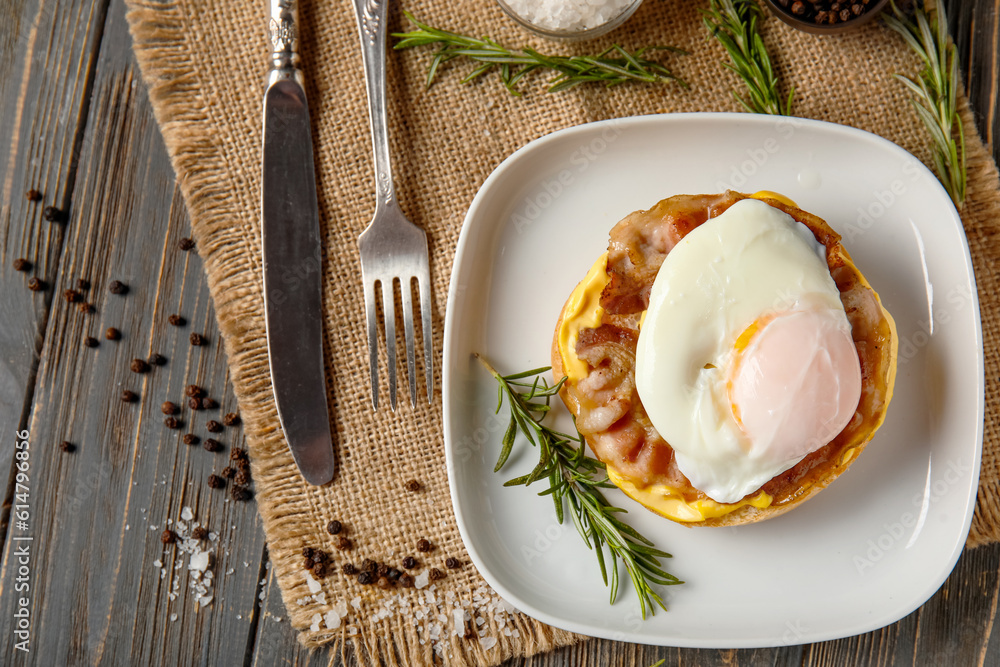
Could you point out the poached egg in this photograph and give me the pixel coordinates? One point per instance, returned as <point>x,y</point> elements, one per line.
<point>745,361</point>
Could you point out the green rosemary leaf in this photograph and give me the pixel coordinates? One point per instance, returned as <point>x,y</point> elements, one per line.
<point>934,91</point>
<point>733,23</point>
<point>574,483</point>
<point>513,64</point>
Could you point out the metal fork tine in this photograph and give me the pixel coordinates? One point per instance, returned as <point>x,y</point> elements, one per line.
<point>424,285</point>
<point>371,316</point>
<point>406,287</point>
<point>389,311</point>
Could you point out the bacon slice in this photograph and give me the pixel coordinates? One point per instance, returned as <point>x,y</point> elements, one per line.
<point>641,241</point>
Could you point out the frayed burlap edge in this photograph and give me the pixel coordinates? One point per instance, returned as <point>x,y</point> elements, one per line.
<point>183,112</point>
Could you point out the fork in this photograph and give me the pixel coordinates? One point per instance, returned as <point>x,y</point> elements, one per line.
<point>392,248</point>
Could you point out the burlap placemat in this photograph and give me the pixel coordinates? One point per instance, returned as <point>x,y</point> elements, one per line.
<point>204,64</point>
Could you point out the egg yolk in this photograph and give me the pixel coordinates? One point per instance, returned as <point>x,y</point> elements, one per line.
<point>796,381</point>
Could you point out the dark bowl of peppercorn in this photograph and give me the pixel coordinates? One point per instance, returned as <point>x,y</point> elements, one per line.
<point>826,17</point>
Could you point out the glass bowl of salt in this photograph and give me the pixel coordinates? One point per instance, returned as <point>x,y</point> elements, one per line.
<point>569,19</point>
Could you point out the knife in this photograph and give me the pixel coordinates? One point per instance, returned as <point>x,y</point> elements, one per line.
<point>293,299</point>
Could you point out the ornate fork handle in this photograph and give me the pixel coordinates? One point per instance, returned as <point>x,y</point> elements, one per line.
<point>371,16</point>
<point>284,31</point>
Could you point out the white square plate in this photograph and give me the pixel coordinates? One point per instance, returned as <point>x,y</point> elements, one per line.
<point>864,553</point>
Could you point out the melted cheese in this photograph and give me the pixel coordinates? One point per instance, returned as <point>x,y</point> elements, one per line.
<point>767,194</point>
<point>582,311</point>
<point>669,502</point>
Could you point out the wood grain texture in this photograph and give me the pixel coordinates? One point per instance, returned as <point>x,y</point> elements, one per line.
<point>96,596</point>
<point>75,119</point>
<point>43,110</point>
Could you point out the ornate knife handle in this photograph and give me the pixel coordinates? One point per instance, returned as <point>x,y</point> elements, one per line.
<point>284,31</point>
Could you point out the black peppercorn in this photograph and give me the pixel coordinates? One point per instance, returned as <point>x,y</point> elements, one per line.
<point>383,583</point>
<point>209,403</point>
<point>349,569</point>
<point>185,244</point>
<point>368,565</point>
<point>237,454</point>
<point>423,546</point>
<point>194,403</point>
<point>118,287</point>
<point>319,570</point>
<point>194,391</point>
<point>84,307</point>
<point>67,446</point>
<point>176,320</point>
<point>240,493</point>
<point>33,195</point>
<point>129,396</point>
<point>90,341</point>
<point>169,408</point>
<point>53,214</point>
<point>139,366</point>
<point>197,339</point>
<point>168,536</point>
<point>172,422</point>
<point>82,284</point>
<point>157,359</point>
<point>308,552</point>
<point>36,284</point>
<point>334,527</point>
<point>231,419</point>
<point>409,562</point>
<point>344,543</point>
<point>199,533</point>
<point>190,439</point>
<point>412,485</point>
<point>394,574</point>
<point>435,574</point>
<point>216,482</point>
<point>242,477</point>
<point>71,296</point>
<point>213,426</point>
<point>113,334</point>
<point>406,580</point>
<point>21,264</point>
<point>452,563</point>
<point>212,445</point>
<point>228,472</point>
<point>365,578</point>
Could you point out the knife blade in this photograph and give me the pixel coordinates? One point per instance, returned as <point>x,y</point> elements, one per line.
<point>292,261</point>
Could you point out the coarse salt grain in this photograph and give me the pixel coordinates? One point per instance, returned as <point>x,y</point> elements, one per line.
<point>186,513</point>
<point>332,620</point>
<point>488,642</point>
<point>314,586</point>
<point>568,15</point>
<point>316,620</point>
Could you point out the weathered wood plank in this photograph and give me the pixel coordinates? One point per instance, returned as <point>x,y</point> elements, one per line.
<point>96,596</point>
<point>46,57</point>
<point>975,27</point>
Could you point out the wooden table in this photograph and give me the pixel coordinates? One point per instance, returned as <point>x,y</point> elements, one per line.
<point>75,124</point>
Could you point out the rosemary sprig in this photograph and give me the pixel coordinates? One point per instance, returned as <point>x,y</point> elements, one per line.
<point>935,91</point>
<point>576,480</point>
<point>611,67</point>
<point>734,24</point>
